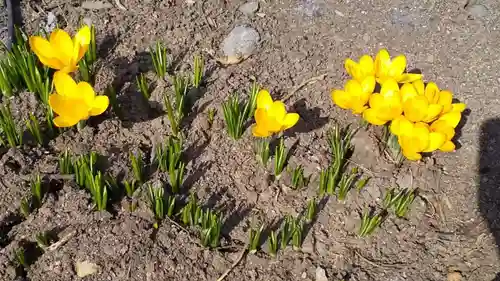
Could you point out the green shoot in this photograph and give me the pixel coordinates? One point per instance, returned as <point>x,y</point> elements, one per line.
<point>12,135</point>
<point>370,222</point>
<point>137,166</point>
<point>345,184</point>
<point>84,167</point>
<point>362,183</point>
<point>311,210</point>
<point>42,240</point>
<point>156,203</point>
<point>273,244</point>
<point>191,213</point>
<point>86,65</point>
<point>176,177</point>
<point>20,257</point>
<point>36,191</point>
<point>299,181</point>
<point>180,87</point>
<point>159,58</point>
<point>172,116</point>
<point>142,85</point>
<point>254,239</point>
<point>210,229</point>
<point>340,145</point>
<point>25,208</point>
<point>171,206</point>
<point>111,93</point>
<point>198,66</point>
<point>262,151</point>
<point>392,147</point>
<point>65,163</point>
<point>211,116</point>
<point>168,155</point>
<point>130,188</point>
<point>237,114</point>
<point>7,72</point>
<point>34,128</point>
<point>286,231</point>
<point>400,201</point>
<point>297,233</point>
<point>49,120</point>
<point>280,157</point>
<point>98,191</point>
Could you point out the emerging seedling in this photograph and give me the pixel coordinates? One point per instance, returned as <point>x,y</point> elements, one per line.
<point>142,85</point>
<point>262,151</point>
<point>346,184</point>
<point>362,183</point>
<point>175,112</point>
<point>24,208</point>
<point>297,233</point>
<point>137,166</point>
<point>311,210</point>
<point>211,116</point>
<point>171,203</point>
<point>400,201</point>
<point>280,158</point>
<point>84,168</point>
<point>111,93</point>
<point>65,163</point>
<point>176,177</point>
<point>168,155</point>
<point>191,213</point>
<point>286,231</point>
<point>8,74</point>
<point>34,128</point>
<point>370,222</point>
<point>236,114</point>
<point>156,203</point>
<point>20,257</point>
<point>130,188</point>
<point>98,191</point>
<point>86,65</point>
<point>299,181</point>
<point>392,147</point>
<point>36,191</point>
<point>11,134</point>
<point>254,239</point>
<point>198,66</point>
<point>210,229</point>
<point>159,58</point>
<point>273,244</point>
<point>42,240</point>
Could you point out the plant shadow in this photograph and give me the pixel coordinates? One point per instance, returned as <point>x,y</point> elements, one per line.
<point>488,196</point>
<point>11,220</point>
<point>312,115</point>
<point>235,217</point>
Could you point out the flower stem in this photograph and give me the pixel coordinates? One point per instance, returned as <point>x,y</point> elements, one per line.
<point>80,125</point>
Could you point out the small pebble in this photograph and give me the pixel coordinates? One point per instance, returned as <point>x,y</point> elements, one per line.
<point>321,274</point>
<point>240,42</point>
<point>477,11</point>
<point>249,8</point>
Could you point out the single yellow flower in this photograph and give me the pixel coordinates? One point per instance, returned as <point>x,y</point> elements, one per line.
<point>60,51</point>
<point>355,95</point>
<point>359,71</point>
<point>443,127</point>
<point>417,106</point>
<point>385,68</point>
<point>415,138</point>
<point>271,116</point>
<point>384,106</point>
<point>74,102</point>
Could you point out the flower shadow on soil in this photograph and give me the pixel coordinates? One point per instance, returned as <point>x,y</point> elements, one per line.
<point>489,178</point>
<point>312,115</point>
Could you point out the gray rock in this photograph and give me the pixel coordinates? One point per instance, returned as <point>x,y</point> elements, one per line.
<point>240,42</point>
<point>321,274</point>
<point>51,22</point>
<point>249,8</point>
<point>477,11</point>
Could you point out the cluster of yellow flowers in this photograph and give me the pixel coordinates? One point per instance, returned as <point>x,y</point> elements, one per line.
<point>422,116</point>
<point>72,102</point>
<point>271,116</point>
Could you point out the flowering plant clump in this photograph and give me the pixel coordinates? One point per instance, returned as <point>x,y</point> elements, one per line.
<point>420,115</point>
<point>271,116</point>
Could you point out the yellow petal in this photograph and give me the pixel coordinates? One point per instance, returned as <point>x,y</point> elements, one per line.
<point>100,105</point>
<point>277,110</point>
<point>353,87</point>
<point>448,146</point>
<point>445,98</point>
<point>350,67</point>
<point>260,131</point>
<point>81,42</point>
<point>358,107</point>
<point>61,42</point>
<point>436,140</point>
<point>419,86</point>
<point>44,51</point>
<point>368,85</point>
<point>65,121</point>
<point>458,107</point>
<point>377,101</point>
<point>290,120</point>
<point>408,91</point>
<point>65,85</point>
<point>433,112</point>
<point>398,66</point>
<point>370,115</point>
<point>451,118</point>
<point>412,155</point>
<point>260,116</point>
<point>408,77</point>
<point>432,92</point>
<point>342,99</point>
<point>86,92</point>
<point>366,64</point>
<point>382,63</point>
<point>443,127</point>
<point>416,109</point>
<point>389,88</point>
<point>264,99</point>
<point>401,126</point>
<point>69,108</point>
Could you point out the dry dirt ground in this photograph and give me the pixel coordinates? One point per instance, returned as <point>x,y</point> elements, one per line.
<point>452,230</point>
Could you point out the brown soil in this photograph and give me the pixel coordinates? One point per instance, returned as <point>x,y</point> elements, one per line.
<point>300,39</point>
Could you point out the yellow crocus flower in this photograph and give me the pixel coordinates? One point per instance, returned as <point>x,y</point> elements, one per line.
<point>359,71</point>
<point>384,106</point>
<point>385,68</point>
<point>61,52</point>
<point>442,126</point>
<point>74,102</point>
<point>271,116</point>
<point>355,95</point>
<point>418,107</point>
